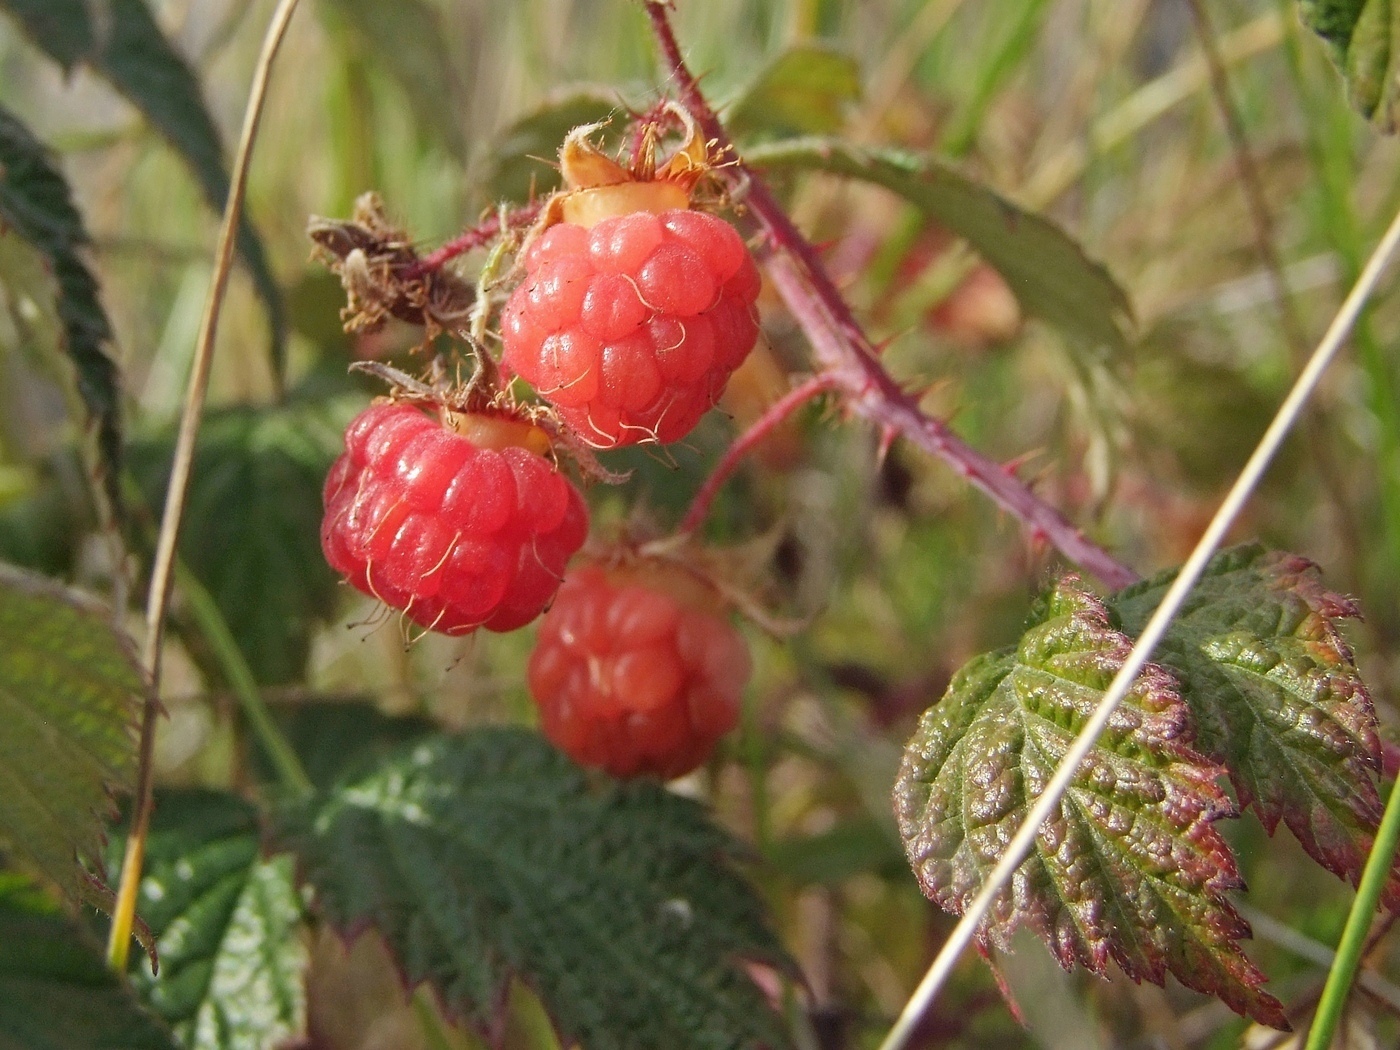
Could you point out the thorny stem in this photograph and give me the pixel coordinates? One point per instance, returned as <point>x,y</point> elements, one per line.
<point>762,427</point>
<point>846,353</point>
<point>512,219</point>
<point>163,567</point>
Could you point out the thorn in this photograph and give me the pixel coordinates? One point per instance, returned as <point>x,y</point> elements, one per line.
<point>887,436</point>
<point>1013,466</point>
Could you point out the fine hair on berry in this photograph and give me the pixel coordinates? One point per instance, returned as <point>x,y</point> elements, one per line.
<point>632,327</point>
<point>457,530</point>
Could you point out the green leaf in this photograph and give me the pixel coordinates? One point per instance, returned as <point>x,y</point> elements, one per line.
<point>335,739</point>
<point>36,203</point>
<point>1129,866</point>
<point>1363,36</point>
<point>522,158</point>
<point>1276,697</point>
<point>120,40</point>
<point>807,90</point>
<point>56,992</point>
<point>407,39</point>
<point>1048,271</point>
<point>226,923</point>
<point>491,855</point>
<point>253,520</point>
<point>70,696</point>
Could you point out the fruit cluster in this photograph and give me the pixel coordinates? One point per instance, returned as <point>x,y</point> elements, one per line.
<point>633,312</point>
<point>635,674</point>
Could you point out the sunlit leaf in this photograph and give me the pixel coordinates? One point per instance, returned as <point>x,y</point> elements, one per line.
<point>56,992</point>
<point>1364,38</point>
<point>226,924</point>
<point>70,695</point>
<point>1129,867</point>
<point>121,41</point>
<point>1050,274</point>
<point>252,523</point>
<point>805,91</point>
<point>36,204</point>
<point>1276,697</point>
<point>491,855</point>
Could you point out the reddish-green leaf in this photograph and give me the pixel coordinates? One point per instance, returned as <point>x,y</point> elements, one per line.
<point>1130,866</point>
<point>1276,698</point>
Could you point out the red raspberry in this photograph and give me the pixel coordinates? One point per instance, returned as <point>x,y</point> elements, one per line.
<point>632,674</point>
<point>631,328</point>
<point>460,529</point>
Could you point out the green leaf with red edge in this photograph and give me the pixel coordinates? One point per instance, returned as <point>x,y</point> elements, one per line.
<point>1130,866</point>
<point>1276,697</point>
<point>121,41</point>
<point>489,856</point>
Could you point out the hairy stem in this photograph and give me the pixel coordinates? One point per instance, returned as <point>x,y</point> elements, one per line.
<point>743,445</point>
<point>512,219</point>
<point>163,567</point>
<point>846,353</point>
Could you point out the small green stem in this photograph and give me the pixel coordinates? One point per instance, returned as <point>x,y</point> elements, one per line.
<point>216,632</point>
<point>1353,942</point>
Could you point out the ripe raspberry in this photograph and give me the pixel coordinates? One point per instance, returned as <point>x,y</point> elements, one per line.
<point>631,328</point>
<point>632,673</point>
<point>460,529</point>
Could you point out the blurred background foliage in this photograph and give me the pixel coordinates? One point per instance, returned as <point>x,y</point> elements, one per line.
<point>1098,112</point>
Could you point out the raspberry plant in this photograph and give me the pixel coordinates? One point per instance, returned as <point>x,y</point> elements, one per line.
<point>664,420</point>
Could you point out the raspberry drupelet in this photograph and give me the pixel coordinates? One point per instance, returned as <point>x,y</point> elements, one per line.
<point>460,526</point>
<point>634,673</point>
<point>635,309</point>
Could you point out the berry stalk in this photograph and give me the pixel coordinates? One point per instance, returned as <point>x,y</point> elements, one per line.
<point>846,353</point>
<point>744,443</point>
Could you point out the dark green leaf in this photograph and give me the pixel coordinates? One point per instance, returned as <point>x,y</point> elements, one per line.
<point>70,696</point>
<point>1129,866</point>
<point>252,523</point>
<point>56,992</point>
<point>35,202</point>
<point>491,855</point>
<point>340,738</point>
<point>226,924</point>
<point>1276,697</point>
<point>1048,271</point>
<point>805,91</point>
<point>523,155</point>
<point>1364,37</point>
<point>120,40</point>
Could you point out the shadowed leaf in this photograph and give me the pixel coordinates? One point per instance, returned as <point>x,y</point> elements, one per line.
<point>35,203</point>
<point>56,992</point>
<point>335,739</point>
<point>253,520</point>
<point>491,855</point>
<point>226,924</point>
<point>1046,269</point>
<point>1364,38</point>
<point>121,41</point>
<point>1129,866</point>
<point>1276,698</point>
<point>523,155</point>
<point>804,91</point>
<point>70,696</point>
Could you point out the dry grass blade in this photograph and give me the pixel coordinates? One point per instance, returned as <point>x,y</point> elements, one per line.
<point>1024,839</point>
<point>162,570</point>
